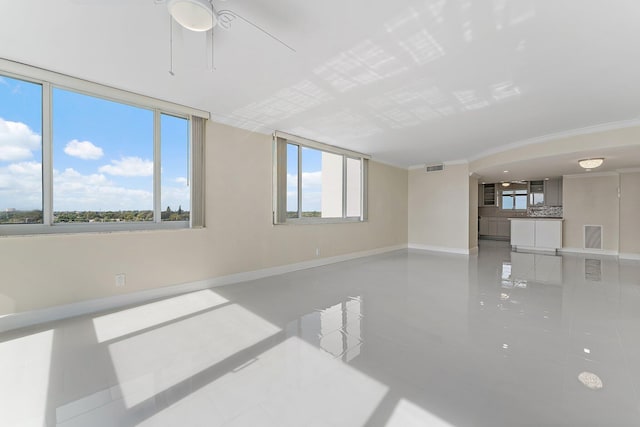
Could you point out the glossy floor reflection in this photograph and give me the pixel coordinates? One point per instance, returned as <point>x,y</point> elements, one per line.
<point>402,339</point>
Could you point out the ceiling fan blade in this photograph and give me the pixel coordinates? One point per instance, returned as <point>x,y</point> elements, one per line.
<point>254,25</point>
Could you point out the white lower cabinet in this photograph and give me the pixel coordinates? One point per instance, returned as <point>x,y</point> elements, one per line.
<point>542,234</point>
<point>549,234</point>
<point>523,233</point>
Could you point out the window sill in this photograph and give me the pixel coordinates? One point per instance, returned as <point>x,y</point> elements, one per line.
<point>85,228</point>
<point>316,221</point>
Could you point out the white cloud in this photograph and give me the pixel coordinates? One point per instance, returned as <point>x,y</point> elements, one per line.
<point>85,150</point>
<point>129,166</point>
<point>17,141</point>
<point>309,180</point>
<point>95,192</point>
<point>20,188</point>
<point>311,190</point>
<point>182,180</point>
<point>175,197</point>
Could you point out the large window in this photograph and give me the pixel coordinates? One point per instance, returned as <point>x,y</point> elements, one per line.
<point>316,182</point>
<point>514,199</point>
<point>109,160</point>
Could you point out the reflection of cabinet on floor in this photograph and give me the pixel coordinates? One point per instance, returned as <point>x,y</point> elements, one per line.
<point>494,227</point>
<point>536,268</point>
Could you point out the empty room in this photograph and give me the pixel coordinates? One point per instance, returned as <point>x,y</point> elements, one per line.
<point>284,213</point>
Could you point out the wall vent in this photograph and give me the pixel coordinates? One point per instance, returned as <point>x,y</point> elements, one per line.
<point>593,237</point>
<point>434,168</point>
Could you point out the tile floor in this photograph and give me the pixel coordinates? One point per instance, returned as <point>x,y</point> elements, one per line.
<point>402,339</point>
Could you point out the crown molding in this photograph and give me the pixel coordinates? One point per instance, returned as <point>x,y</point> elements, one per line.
<point>628,170</point>
<point>603,127</point>
<point>591,174</point>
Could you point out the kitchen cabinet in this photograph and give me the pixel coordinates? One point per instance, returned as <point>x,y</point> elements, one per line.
<point>536,234</point>
<point>487,196</point>
<point>484,226</point>
<point>553,192</point>
<point>494,227</point>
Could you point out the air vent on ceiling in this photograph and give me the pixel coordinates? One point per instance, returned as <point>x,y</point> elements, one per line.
<point>593,237</point>
<point>434,168</point>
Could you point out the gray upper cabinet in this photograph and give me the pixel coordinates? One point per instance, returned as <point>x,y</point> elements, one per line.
<point>553,192</point>
<point>487,195</point>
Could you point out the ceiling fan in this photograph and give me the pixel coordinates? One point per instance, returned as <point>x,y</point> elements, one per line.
<point>204,16</point>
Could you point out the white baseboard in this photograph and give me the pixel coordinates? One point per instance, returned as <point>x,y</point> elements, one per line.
<point>631,256</point>
<point>588,251</point>
<point>458,251</point>
<point>30,318</point>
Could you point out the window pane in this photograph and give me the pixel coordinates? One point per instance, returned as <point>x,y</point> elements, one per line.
<point>521,202</point>
<point>507,202</point>
<point>102,160</point>
<point>311,182</point>
<point>174,182</point>
<point>331,185</point>
<point>321,184</point>
<point>20,152</point>
<point>537,198</point>
<point>292,181</point>
<point>354,186</point>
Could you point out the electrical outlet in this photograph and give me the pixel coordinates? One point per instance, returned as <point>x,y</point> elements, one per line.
<point>121,280</point>
<point>317,251</point>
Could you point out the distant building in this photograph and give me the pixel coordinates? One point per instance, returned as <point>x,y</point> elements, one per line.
<point>8,210</point>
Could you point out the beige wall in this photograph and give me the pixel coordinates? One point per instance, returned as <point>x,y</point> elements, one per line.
<point>44,271</point>
<point>439,208</point>
<point>473,213</point>
<point>591,200</point>
<point>630,213</point>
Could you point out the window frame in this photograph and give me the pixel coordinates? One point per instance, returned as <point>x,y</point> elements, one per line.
<point>49,80</point>
<point>279,215</point>
<point>513,196</point>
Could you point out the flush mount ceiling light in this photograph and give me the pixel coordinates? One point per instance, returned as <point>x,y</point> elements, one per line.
<point>506,184</point>
<point>591,163</point>
<point>194,15</point>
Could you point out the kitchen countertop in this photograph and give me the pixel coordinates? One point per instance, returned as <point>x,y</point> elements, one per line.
<point>538,218</point>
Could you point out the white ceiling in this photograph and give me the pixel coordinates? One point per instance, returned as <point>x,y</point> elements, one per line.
<point>408,81</point>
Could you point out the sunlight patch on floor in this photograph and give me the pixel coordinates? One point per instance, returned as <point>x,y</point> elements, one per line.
<point>291,384</point>
<point>408,414</point>
<point>153,361</point>
<point>125,322</point>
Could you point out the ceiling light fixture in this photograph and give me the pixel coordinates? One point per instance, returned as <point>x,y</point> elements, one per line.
<point>194,15</point>
<point>506,184</point>
<point>591,163</point>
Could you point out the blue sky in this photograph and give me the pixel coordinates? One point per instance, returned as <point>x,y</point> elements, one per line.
<point>311,179</point>
<point>102,152</point>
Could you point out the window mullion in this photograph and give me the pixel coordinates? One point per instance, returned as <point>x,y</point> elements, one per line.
<point>157,162</point>
<point>299,181</point>
<point>47,155</point>
<point>344,186</point>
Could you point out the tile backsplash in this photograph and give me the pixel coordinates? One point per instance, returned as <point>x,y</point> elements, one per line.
<point>535,211</point>
<point>542,211</point>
